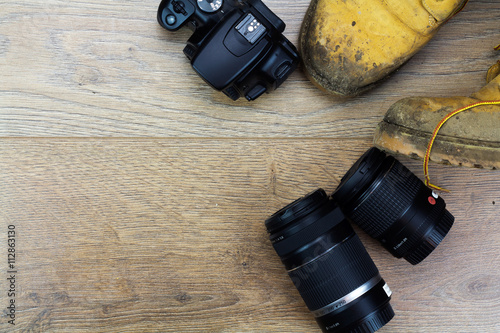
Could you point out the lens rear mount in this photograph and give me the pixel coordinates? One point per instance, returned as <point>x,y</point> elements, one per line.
<point>367,314</point>
<point>432,239</point>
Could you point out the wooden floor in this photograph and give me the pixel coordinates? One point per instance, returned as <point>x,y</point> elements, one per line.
<point>138,194</point>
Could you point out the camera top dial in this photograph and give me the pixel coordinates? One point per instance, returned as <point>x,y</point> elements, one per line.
<point>209,6</point>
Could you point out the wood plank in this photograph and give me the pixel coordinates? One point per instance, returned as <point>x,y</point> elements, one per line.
<point>166,234</point>
<point>96,68</point>
<point>148,235</point>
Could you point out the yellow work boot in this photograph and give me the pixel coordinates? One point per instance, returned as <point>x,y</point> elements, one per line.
<point>469,138</point>
<point>348,46</point>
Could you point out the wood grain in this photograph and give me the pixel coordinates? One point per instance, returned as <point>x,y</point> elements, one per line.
<point>168,235</point>
<point>139,194</point>
<point>96,68</point>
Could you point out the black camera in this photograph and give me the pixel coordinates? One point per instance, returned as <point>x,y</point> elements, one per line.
<point>237,46</point>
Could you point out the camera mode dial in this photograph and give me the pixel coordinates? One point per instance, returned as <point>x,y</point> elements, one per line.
<point>209,6</point>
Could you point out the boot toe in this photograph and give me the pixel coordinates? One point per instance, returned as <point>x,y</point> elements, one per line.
<point>348,47</point>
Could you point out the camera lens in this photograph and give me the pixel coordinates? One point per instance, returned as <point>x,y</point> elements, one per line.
<point>329,265</point>
<point>391,204</point>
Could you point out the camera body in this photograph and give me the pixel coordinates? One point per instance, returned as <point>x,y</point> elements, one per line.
<point>237,47</point>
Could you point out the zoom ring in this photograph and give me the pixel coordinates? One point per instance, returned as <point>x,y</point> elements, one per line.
<point>387,202</point>
<point>334,274</point>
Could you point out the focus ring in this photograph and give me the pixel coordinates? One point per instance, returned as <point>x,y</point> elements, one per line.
<point>334,274</point>
<point>382,206</point>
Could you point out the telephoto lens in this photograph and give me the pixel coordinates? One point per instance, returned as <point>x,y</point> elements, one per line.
<point>394,206</point>
<point>329,265</point>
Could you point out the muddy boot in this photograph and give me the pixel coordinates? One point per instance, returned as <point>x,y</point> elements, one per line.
<point>470,138</point>
<point>348,46</point>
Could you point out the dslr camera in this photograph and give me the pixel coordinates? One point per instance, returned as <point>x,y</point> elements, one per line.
<point>237,46</point>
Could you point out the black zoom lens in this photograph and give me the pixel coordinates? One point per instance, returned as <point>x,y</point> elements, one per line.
<point>392,205</point>
<point>329,265</point>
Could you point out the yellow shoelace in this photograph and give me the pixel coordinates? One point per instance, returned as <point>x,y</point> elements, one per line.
<point>434,134</point>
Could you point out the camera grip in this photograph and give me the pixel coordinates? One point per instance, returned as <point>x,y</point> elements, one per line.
<point>172,14</point>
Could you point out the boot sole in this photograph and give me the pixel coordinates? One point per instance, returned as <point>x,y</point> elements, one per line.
<point>446,149</point>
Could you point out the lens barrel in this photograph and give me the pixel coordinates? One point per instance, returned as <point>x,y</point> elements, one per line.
<point>329,265</point>
<point>391,204</point>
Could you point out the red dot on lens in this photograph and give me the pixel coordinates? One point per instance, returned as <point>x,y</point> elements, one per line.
<point>432,201</point>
